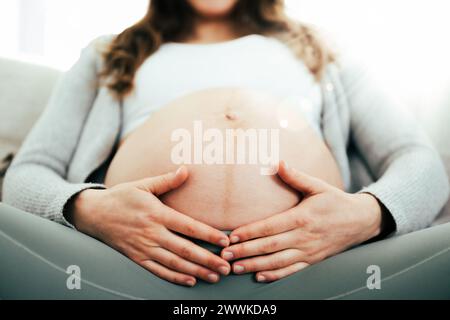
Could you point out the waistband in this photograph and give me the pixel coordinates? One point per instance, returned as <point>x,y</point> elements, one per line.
<point>206,245</point>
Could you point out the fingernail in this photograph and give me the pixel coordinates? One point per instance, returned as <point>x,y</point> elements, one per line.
<point>224,270</point>
<point>286,165</point>
<point>223,242</point>
<point>178,171</point>
<point>234,239</point>
<point>260,278</point>
<point>213,277</point>
<point>190,283</point>
<point>238,268</point>
<point>227,255</point>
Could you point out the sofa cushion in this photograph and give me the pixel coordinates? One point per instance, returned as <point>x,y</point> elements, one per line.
<point>24,91</point>
<point>444,216</point>
<point>439,130</point>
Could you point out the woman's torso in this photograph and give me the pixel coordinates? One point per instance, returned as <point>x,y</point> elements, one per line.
<point>252,62</point>
<point>273,109</point>
<point>220,194</point>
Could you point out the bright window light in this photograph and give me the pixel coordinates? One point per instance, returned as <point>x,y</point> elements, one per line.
<point>53,32</point>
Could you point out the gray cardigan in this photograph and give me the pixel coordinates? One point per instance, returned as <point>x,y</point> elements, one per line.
<point>379,147</point>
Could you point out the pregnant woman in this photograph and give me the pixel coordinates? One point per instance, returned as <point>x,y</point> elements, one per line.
<point>159,143</point>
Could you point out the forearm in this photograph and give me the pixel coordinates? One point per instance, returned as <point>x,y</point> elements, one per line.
<point>39,190</point>
<point>410,179</point>
<point>81,210</point>
<point>413,188</point>
<point>383,221</point>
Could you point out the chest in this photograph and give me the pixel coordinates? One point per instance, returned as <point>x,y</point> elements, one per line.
<point>176,70</point>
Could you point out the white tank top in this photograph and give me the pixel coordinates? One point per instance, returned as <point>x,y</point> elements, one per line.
<point>252,62</point>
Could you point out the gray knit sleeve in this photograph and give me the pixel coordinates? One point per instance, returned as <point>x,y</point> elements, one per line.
<point>36,180</point>
<point>410,178</point>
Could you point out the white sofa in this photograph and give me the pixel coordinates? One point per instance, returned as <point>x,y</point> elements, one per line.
<point>25,89</point>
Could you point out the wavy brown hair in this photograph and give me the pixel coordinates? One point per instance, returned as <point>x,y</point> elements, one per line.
<point>170,20</point>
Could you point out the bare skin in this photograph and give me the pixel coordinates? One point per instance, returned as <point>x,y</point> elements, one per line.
<point>212,22</point>
<point>326,222</point>
<point>131,218</point>
<point>225,196</point>
<point>91,209</point>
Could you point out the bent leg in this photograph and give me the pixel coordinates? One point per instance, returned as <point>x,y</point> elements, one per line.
<point>35,254</point>
<point>412,266</point>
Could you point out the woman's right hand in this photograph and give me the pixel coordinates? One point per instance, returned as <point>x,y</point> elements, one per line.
<point>130,218</point>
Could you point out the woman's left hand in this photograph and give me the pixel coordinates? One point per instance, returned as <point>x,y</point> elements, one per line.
<point>326,222</point>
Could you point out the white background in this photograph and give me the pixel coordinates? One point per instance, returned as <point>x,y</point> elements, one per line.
<point>405,42</point>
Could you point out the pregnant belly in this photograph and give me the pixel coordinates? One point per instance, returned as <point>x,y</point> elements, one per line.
<point>227,138</point>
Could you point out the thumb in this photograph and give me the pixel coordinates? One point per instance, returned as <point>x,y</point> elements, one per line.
<point>164,183</point>
<point>301,181</point>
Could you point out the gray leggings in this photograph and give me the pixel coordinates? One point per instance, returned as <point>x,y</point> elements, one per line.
<point>35,255</point>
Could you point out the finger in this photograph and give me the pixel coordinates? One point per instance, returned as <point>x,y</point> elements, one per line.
<point>273,225</point>
<point>258,247</point>
<point>272,261</point>
<point>164,183</point>
<point>274,275</point>
<point>301,181</point>
<point>194,253</point>
<point>181,223</point>
<point>167,274</point>
<point>176,263</point>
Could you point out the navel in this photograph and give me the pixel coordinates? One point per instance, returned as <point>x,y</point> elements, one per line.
<point>231,116</point>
